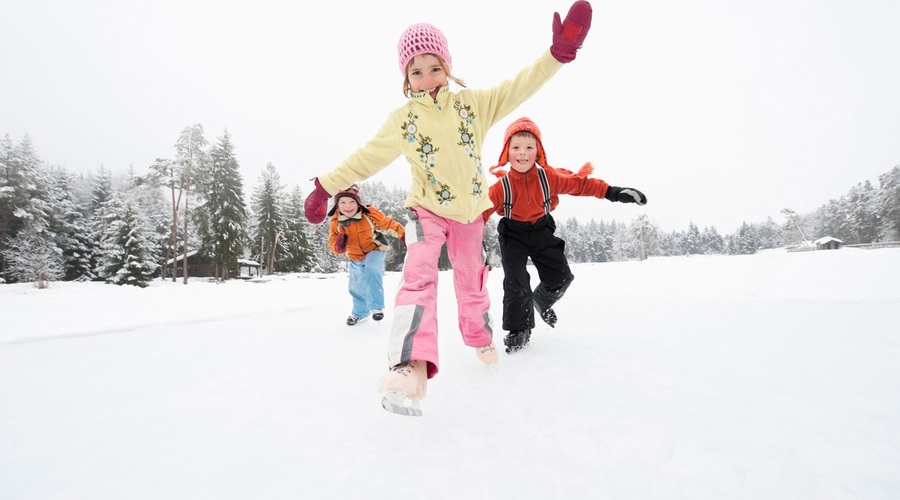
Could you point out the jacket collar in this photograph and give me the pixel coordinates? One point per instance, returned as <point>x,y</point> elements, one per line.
<point>424,98</point>
<point>515,174</point>
<point>355,217</point>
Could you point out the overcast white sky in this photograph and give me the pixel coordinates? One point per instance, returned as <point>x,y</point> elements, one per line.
<point>721,112</point>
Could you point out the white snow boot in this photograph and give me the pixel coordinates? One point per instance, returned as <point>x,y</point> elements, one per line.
<point>403,387</point>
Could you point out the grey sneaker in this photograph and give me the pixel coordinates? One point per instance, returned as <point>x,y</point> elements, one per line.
<point>352,320</point>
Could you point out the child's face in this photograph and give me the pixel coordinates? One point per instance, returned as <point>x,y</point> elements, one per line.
<point>522,153</point>
<point>348,206</point>
<point>426,74</point>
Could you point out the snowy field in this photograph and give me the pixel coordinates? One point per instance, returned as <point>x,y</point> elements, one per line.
<point>772,376</point>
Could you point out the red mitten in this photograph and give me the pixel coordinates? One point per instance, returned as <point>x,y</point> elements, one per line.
<point>316,205</point>
<point>569,35</point>
<point>340,243</point>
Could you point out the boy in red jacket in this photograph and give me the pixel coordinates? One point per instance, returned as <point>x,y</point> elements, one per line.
<point>524,198</point>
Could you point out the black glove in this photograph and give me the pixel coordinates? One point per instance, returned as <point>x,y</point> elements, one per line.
<point>625,195</point>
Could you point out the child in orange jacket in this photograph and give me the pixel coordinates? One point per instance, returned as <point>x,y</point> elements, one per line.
<point>524,197</point>
<point>359,231</point>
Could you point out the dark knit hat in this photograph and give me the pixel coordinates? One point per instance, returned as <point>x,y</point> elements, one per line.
<point>350,192</point>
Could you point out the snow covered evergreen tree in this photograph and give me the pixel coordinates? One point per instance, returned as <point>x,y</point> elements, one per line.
<point>889,204</point>
<point>770,235</point>
<point>147,193</point>
<point>863,213</point>
<point>7,183</point>
<point>33,257</point>
<point>167,174</point>
<point>69,228</point>
<point>745,241</point>
<point>646,237</point>
<point>269,223</point>
<point>223,218</point>
<point>190,158</point>
<point>299,255</point>
<point>127,254</point>
<point>390,202</point>
<point>23,196</point>
<point>711,241</point>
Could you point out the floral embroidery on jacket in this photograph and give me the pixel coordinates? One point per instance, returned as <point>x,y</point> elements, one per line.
<point>467,142</point>
<point>426,149</point>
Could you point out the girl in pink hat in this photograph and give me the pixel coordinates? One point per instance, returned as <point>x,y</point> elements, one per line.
<point>440,132</point>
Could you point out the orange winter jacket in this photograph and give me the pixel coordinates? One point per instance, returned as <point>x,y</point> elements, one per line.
<point>528,198</point>
<point>361,232</point>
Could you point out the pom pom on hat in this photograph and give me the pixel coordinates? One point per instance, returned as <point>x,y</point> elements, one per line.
<point>350,192</point>
<point>422,38</point>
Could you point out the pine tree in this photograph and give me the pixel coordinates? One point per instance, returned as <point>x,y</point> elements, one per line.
<point>889,204</point>
<point>223,231</point>
<point>862,212</point>
<point>33,258</point>
<point>268,206</point>
<point>126,245</point>
<point>23,200</point>
<point>691,243</point>
<point>190,158</point>
<point>145,191</point>
<point>770,234</point>
<point>390,202</point>
<point>747,243</point>
<point>295,242</point>
<point>645,236</point>
<point>712,241</point>
<point>69,228</point>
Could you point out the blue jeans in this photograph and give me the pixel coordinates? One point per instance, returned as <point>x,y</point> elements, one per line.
<point>366,286</point>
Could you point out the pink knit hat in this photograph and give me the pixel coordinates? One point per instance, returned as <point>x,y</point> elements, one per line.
<point>422,38</point>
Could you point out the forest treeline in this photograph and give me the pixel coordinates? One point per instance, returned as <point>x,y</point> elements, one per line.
<point>132,227</point>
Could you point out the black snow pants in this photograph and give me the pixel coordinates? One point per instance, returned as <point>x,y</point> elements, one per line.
<point>518,242</point>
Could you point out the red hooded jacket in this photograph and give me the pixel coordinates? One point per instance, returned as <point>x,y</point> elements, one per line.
<point>528,198</point>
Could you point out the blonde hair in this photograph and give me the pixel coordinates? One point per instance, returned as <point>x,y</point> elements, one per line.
<point>407,88</point>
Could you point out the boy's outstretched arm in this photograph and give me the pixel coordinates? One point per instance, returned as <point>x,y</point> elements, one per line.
<point>625,195</point>
<point>568,35</point>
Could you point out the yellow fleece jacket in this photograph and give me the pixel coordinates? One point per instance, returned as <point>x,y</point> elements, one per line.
<point>441,139</point>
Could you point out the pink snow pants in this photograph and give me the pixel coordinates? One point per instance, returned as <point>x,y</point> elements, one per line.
<point>414,333</point>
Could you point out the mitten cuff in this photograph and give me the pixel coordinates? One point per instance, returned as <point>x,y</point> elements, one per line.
<point>612,193</point>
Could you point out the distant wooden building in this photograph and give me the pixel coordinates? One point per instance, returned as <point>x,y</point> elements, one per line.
<point>198,267</point>
<point>248,269</point>
<point>828,243</point>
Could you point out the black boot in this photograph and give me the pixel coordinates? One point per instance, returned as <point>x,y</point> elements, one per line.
<point>546,313</point>
<point>516,340</point>
<point>544,298</point>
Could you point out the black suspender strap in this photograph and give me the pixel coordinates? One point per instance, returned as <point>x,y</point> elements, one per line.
<point>545,187</point>
<point>507,197</point>
<point>507,193</point>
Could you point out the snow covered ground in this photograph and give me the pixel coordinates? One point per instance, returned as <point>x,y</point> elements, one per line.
<point>772,376</point>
